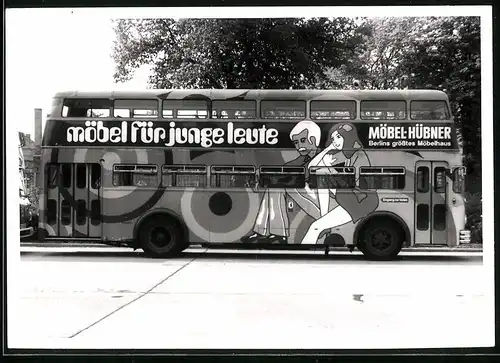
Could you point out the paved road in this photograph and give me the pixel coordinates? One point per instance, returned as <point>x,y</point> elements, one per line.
<point>116,298</point>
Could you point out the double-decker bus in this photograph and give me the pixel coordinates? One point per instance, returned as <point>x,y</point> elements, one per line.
<point>162,169</point>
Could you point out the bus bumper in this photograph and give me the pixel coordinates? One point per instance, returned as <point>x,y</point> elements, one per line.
<point>27,232</point>
<point>464,237</point>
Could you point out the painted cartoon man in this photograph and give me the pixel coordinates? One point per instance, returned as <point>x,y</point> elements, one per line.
<point>272,224</point>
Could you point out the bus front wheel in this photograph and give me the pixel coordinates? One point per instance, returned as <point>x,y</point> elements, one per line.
<point>161,236</point>
<point>381,240</point>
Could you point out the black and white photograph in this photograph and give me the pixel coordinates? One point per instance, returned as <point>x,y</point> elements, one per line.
<point>249,178</point>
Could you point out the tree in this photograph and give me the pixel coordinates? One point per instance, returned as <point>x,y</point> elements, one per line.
<point>448,57</point>
<point>432,53</point>
<point>234,53</point>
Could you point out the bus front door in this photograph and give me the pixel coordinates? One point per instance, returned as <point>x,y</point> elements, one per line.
<point>430,202</point>
<point>74,200</point>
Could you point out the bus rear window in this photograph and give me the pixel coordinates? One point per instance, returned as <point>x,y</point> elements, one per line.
<point>429,110</point>
<point>383,110</point>
<point>234,109</point>
<point>135,108</point>
<point>333,110</point>
<point>185,109</point>
<point>283,109</point>
<point>73,107</point>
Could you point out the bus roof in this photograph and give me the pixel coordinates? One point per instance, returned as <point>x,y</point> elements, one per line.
<point>218,94</point>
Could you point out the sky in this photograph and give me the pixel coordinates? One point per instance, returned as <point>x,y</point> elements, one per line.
<point>56,53</point>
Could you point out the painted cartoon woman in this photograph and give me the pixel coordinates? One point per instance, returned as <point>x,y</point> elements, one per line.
<point>343,147</point>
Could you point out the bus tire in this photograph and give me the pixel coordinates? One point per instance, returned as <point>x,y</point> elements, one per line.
<point>161,236</point>
<point>381,239</point>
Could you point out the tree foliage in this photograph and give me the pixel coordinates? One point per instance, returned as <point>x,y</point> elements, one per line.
<point>234,53</point>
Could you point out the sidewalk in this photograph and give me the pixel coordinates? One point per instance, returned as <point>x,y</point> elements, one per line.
<point>472,247</point>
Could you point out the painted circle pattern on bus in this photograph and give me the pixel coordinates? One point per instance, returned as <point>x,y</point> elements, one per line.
<point>219,228</point>
<point>137,206</point>
<point>223,215</point>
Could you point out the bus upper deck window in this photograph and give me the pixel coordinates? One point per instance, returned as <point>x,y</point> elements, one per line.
<point>234,109</point>
<point>383,110</point>
<point>333,110</point>
<point>141,175</point>
<point>429,110</point>
<point>283,109</point>
<point>81,107</point>
<point>137,108</point>
<point>185,109</point>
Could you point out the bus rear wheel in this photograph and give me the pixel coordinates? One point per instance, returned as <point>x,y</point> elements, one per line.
<point>381,239</point>
<point>161,236</point>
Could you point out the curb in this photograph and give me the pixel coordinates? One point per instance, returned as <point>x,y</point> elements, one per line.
<point>331,249</point>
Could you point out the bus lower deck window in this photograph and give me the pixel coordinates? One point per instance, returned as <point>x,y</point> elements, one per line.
<point>66,175</point>
<point>232,177</point>
<point>282,177</point>
<point>194,176</point>
<point>382,178</point>
<point>135,175</point>
<point>332,178</point>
